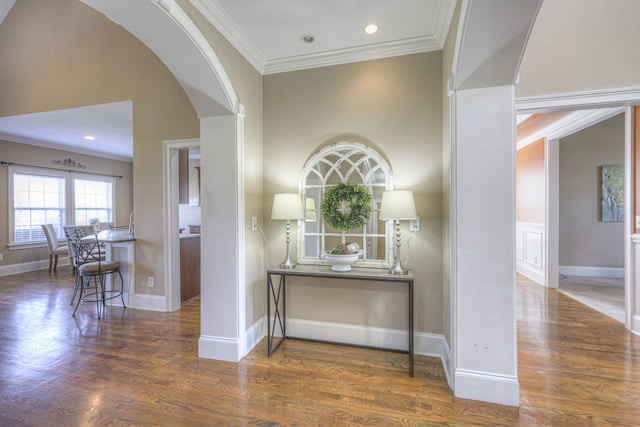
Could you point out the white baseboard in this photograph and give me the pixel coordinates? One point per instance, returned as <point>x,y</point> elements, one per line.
<point>7,270</point>
<point>218,348</point>
<point>500,389</point>
<point>255,334</point>
<point>532,273</point>
<point>425,344</point>
<point>147,302</point>
<point>570,270</point>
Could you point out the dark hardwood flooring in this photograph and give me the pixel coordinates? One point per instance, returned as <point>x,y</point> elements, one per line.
<point>577,367</point>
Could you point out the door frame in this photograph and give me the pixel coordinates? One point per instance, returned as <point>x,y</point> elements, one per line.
<point>172,217</point>
<point>622,99</point>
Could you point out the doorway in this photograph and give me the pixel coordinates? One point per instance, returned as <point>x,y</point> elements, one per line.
<point>609,103</point>
<point>183,218</point>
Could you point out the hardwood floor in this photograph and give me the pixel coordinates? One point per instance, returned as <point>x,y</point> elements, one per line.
<point>133,367</point>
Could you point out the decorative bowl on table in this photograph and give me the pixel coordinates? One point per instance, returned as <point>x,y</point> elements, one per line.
<point>343,257</point>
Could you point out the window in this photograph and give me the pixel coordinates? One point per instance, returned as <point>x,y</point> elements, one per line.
<point>42,196</point>
<point>93,199</point>
<point>344,162</point>
<point>37,199</point>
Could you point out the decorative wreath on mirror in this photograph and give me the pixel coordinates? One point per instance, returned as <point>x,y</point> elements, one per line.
<point>359,200</point>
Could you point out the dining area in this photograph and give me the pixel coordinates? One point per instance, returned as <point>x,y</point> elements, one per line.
<point>101,257</point>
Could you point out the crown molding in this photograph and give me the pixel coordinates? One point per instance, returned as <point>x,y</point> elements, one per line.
<point>218,17</point>
<point>355,54</point>
<point>62,147</point>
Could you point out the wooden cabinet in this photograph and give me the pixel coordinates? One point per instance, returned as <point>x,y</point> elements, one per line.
<point>183,176</point>
<point>189,268</point>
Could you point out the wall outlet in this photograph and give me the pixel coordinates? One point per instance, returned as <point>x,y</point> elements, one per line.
<point>150,282</point>
<point>254,223</point>
<point>637,221</point>
<point>1,257</point>
<point>414,225</point>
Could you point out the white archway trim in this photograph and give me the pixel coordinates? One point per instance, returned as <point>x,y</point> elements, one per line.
<point>180,45</point>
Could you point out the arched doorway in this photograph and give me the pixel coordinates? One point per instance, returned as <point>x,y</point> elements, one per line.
<point>175,39</point>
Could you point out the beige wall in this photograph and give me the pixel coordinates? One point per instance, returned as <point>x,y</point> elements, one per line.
<point>64,54</point>
<point>395,106</point>
<point>579,45</point>
<point>584,240</point>
<point>530,183</point>
<point>39,156</point>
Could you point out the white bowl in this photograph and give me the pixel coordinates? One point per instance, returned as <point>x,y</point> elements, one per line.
<point>342,262</point>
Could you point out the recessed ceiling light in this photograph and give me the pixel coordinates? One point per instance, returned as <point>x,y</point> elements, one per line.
<point>371,29</point>
<point>90,138</point>
<point>307,38</point>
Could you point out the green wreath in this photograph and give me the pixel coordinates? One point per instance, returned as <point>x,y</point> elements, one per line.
<point>359,200</point>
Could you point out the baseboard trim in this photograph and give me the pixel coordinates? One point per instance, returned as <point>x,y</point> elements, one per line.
<point>530,272</point>
<point>25,267</point>
<point>218,348</point>
<point>425,344</point>
<point>147,302</point>
<point>501,389</point>
<point>570,270</point>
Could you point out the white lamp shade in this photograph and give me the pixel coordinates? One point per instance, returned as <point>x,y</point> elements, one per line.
<point>310,210</point>
<point>287,206</point>
<point>397,205</point>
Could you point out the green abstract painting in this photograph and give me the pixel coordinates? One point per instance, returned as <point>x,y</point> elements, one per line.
<point>612,190</point>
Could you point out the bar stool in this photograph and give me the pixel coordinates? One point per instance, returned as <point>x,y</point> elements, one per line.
<point>91,273</point>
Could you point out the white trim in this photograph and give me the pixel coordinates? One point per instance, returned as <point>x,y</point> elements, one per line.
<point>219,18</point>
<point>630,284</point>
<point>353,54</point>
<point>570,124</point>
<point>574,270</point>
<point>241,288</point>
<point>552,213</point>
<point>525,265</point>
<point>425,344</point>
<point>500,389</point>
<point>603,98</point>
<point>62,147</point>
<point>24,267</point>
<point>230,30</point>
<point>218,348</point>
<point>146,302</point>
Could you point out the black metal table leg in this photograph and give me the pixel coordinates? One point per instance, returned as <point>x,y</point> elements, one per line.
<point>278,319</point>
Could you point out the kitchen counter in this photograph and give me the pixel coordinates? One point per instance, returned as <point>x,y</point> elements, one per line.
<point>189,236</point>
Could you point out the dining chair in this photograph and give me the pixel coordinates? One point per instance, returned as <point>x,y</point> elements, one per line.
<point>91,274</point>
<point>55,249</point>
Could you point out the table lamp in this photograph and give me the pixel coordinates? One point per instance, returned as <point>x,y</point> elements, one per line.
<point>286,207</point>
<point>397,206</point>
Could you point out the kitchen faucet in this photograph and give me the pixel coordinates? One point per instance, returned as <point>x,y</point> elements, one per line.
<point>131,223</point>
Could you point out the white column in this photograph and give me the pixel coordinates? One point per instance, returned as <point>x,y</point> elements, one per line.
<point>483,245</point>
<point>222,275</point>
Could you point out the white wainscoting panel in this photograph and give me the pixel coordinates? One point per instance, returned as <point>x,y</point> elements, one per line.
<point>530,250</point>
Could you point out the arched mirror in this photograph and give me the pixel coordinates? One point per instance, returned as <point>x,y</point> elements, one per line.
<point>339,163</point>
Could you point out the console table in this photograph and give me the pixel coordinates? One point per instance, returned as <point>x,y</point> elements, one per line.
<point>278,292</point>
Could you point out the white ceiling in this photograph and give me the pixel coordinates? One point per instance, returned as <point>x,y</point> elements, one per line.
<point>268,34</point>
<point>111,125</point>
